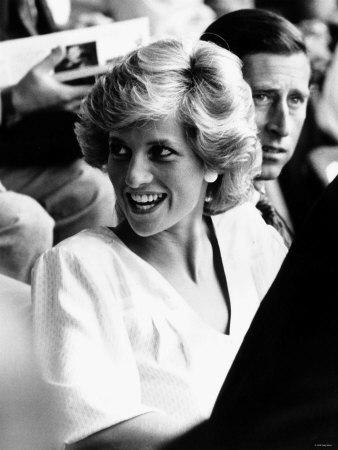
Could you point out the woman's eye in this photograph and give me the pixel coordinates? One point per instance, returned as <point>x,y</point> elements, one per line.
<point>161,152</point>
<point>118,151</point>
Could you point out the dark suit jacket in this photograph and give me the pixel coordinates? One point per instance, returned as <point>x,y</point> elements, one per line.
<point>282,390</point>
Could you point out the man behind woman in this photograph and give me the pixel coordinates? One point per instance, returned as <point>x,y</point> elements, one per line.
<point>277,68</point>
<point>137,326</point>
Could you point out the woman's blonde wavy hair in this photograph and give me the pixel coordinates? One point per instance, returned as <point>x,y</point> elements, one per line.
<point>203,89</point>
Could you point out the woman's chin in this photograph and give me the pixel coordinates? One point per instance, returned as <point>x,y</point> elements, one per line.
<point>144,230</point>
<point>142,224</point>
<point>145,221</point>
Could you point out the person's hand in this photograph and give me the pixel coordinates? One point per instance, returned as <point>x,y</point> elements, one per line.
<point>39,89</point>
<point>91,19</point>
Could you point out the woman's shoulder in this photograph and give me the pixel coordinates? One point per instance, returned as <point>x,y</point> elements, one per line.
<point>87,241</point>
<point>245,224</point>
<point>246,238</point>
<point>91,247</point>
<point>244,215</point>
<point>90,260</point>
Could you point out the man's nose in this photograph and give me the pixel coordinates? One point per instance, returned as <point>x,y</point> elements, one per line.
<point>279,120</point>
<point>139,172</point>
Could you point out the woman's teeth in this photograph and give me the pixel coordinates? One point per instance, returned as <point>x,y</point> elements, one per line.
<point>145,198</point>
<point>146,201</point>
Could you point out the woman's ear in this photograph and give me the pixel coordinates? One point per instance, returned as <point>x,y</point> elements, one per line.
<point>210,176</point>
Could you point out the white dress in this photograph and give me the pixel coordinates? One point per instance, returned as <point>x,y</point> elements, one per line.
<point>116,340</point>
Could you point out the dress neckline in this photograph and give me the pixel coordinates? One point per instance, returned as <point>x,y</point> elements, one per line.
<point>218,260</point>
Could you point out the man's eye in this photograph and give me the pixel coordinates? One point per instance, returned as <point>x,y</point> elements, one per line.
<point>296,100</point>
<point>261,98</point>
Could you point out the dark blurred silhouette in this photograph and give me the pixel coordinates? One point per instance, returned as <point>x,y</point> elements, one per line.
<point>281,391</point>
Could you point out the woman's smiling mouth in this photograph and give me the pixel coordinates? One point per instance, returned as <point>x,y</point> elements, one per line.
<point>144,203</point>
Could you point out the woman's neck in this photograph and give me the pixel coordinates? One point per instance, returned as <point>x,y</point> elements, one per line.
<point>178,248</point>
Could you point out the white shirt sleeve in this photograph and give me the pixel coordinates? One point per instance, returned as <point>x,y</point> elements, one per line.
<point>83,346</point>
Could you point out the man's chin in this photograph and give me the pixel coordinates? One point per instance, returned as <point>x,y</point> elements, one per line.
<point>270,172</point>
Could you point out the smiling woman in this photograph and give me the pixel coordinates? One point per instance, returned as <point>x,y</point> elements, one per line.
<point>210,102</point>
<point>158,179</point>
<point>137,326</point>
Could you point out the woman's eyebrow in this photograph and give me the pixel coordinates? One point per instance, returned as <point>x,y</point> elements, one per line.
<point>162,142</point>
<point>116,139</point>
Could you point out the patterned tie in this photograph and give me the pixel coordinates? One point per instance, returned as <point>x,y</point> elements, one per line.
<point>272,217</point>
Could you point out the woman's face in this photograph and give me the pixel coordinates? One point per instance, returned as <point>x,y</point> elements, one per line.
<point>158,180</point>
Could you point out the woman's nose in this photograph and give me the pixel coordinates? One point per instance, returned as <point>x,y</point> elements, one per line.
<point>139,172</point>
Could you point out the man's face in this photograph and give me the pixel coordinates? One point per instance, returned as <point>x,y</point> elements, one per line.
<point>280,88</point>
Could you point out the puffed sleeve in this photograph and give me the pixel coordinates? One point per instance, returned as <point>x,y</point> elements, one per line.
<point>83,346</point>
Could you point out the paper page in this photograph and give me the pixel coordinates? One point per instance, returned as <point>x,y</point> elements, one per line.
<point>88,51</point>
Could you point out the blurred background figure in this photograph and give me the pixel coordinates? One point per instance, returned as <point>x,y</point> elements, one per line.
<point>327,111</point>
<point>48,192</point>
<point>298,10</point>
<point>85,13</point>
<point>27,420</point>
<point>225,6</point>
<point>317,40</point>
<point>182,19</point>
<point>26,231</point>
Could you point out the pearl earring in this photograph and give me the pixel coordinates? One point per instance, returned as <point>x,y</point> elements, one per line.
<point>210,176</point>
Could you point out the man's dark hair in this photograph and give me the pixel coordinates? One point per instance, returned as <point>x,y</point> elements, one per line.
<point>248,31</point>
